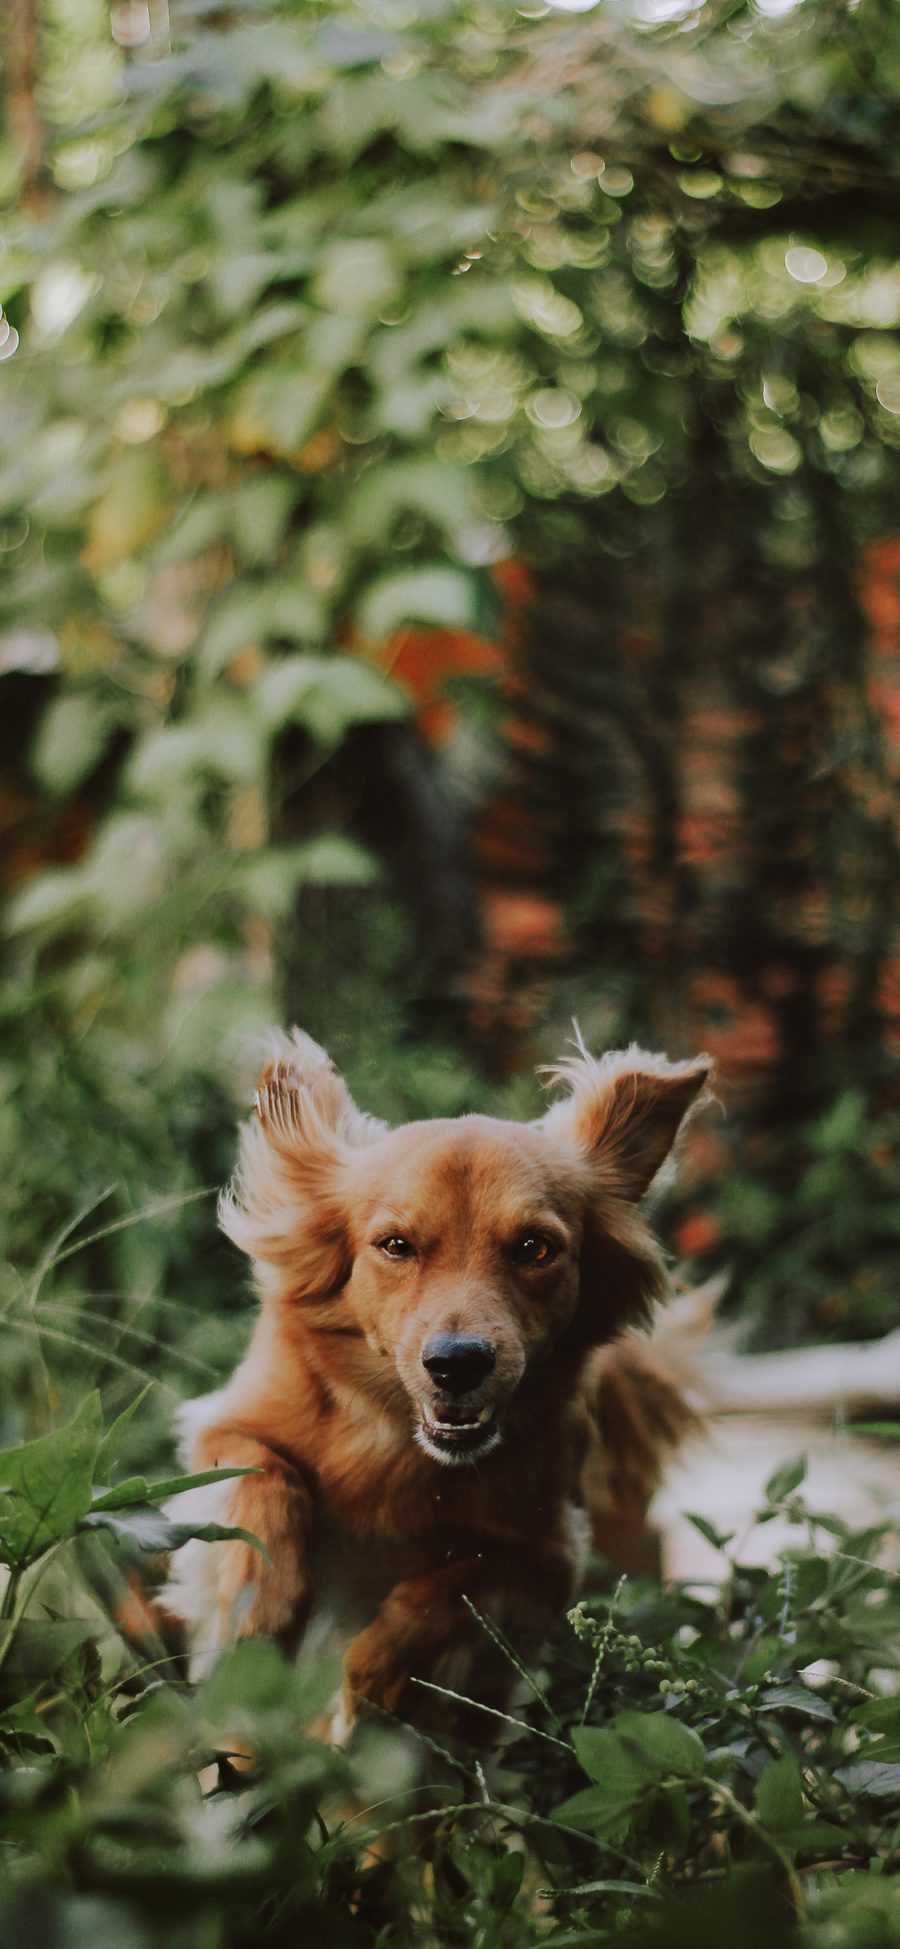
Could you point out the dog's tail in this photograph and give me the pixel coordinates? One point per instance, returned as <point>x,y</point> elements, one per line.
<point>647,1396</point>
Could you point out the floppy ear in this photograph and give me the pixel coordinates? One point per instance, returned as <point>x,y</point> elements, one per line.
<point>285,1205</point>
<point>624,1111</point>
<point>623,1114</point>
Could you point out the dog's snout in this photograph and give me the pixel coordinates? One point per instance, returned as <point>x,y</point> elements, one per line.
<point>457,1362</point>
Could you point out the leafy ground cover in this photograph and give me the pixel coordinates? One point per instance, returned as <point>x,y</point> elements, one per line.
<point>692,1762</point>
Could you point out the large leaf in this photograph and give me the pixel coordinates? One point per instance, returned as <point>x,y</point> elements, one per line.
<point>136,1489</point>
<point>327,694</point>
<point>429,594</point>
<point>33,1649</point>
<point>795,1698</point>
<point>51,902</point>
<point>779,1796</point>
<point>427,486</point>
<point>223,740</point>
<point>46,1485</point>
<point>255,613</point>
<point>109,1445</point>
<point>73,736</point>
<point>150,1530</point>
<point>356,275</point>
<point>662,1744</point>
<point>786,1479</point>
<point>878,1779</point>
<point>131,510</point>
<point>620,1782</point>
<point>276,410</point>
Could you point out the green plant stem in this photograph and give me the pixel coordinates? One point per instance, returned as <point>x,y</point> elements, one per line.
<point>520,1724</point>
<point>8,1601</point>
<point>761,1834</point>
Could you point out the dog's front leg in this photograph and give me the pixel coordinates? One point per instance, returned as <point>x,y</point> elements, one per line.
<point>425,1635</point>
<point>226,1591</point>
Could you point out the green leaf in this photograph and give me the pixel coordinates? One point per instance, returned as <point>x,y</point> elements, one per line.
<point>356,275</point>
<point>277,409</point>
<point>662,1743</point>
<point>253,1677</point>
<point>131,510</point>
<point>601,1809</point>
<point>843,1128</point>
<point>37,1647</point>
<point>600,1751</point>
<point>600,1888</point>
<point>621,1778</point>
<point>150,1530</point>
<point>73,735</point>
<point>786,1479</point>
<point>221,741</point>
<point>879,1715</point>
<point>815,1837</point>
<point>430,487</point>
<point>779,1795</point>
<point>253,614</point>
<point>53,900</point>
<point>430,594</point>
<point>719,1538</point>
<point>881,1750</point>
<point>136,1489</point>
<point>46,1485</point>
<point>878,1780</point>
<point>795,1698</point>
<point>107,1450</point>
<point>259,516</point>
<point>328,694</point>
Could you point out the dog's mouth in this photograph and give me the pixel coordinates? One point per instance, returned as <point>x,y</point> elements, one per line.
<point>457,1434</point>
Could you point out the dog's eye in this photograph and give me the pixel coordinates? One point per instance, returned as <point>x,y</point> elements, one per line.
<point>535,1249</point>
<point>395,1246</point>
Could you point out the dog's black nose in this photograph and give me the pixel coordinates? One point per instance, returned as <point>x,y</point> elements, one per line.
<point>457,1362</point>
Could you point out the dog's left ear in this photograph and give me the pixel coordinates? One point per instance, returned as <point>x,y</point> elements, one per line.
<point>624,1112</point>
<point>622,1115</point>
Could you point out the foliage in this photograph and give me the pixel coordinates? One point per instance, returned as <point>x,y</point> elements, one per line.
<point>811,1242</point>
<point>814,1246</point>
<point>690,1760</point>
<point>325,317</point>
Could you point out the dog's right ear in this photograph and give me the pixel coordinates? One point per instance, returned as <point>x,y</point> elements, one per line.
<point>285,1207</point>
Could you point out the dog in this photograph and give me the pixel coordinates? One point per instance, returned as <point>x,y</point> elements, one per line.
<point>443,1351</point>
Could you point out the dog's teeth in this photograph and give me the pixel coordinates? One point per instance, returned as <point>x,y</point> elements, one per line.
<point>451,1426</point>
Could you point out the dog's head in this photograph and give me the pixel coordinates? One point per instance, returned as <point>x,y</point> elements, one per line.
<point>460,1252</point>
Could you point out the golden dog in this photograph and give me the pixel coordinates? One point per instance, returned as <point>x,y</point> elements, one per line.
<point>439,1310</point>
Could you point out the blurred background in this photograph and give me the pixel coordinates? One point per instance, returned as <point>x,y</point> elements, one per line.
<point>451,584</point>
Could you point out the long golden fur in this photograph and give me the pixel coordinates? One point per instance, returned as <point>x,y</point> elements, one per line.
<point>443,1329</point>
